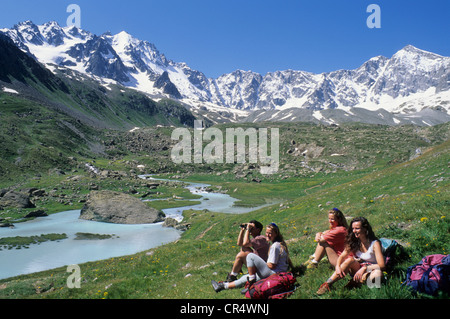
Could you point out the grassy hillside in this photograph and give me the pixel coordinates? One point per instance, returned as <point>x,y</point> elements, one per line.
<point>92,102</point>
<point>306,150</point>
<point>35,139</point>
<point>408,201</point>
<point>48,116</point>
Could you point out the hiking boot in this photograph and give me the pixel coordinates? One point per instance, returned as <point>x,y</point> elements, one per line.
<point>312,265</point>
<point>231,277</point>
<point>218,286</point>
<point>323,289</point>
<point>308,262</point>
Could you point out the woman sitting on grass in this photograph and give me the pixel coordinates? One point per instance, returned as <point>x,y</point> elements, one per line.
<point>278,261</point>
<point>330,242</point>
<point>362,258</point>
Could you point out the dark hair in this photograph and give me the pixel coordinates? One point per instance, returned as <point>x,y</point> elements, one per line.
<point>258,225</point>
<point>354,243</point>
<point>339,217</point>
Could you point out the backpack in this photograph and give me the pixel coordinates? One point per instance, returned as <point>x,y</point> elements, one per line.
<point>276,286</point>
<point>430,275</point>
<point>393,252</point>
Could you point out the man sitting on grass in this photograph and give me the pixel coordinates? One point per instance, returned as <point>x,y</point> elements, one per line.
<point>251,241</point>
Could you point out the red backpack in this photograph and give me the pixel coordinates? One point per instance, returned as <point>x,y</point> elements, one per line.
<point>277,286</point>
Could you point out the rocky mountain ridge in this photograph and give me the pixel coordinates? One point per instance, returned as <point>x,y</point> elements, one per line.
<point>409,82</point>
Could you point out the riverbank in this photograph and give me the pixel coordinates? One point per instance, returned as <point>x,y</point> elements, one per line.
<point>123,239</point>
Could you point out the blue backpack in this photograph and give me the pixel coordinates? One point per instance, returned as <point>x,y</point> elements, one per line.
<point>430,275</point>
<point>393,252</point>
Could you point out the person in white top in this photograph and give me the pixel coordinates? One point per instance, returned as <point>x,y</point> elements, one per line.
<point>362,258</point>
<point>277,261</point>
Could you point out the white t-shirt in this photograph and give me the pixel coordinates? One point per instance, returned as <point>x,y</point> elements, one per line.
<point>368,256</point>
<point>278,257</point>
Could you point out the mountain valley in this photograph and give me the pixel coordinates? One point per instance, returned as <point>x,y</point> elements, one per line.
<point>81,113</point>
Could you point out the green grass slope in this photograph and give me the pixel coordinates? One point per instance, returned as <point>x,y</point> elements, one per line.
<point>61,113</point>
<point>407,201</point>
<point>35,139</point>
<point>81,97</point>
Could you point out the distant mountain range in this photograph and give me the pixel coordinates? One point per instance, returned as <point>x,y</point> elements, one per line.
<point>413,86</point>
<point>82,98</point>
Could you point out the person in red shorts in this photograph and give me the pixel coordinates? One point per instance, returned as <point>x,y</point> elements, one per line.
<point>330,242</point>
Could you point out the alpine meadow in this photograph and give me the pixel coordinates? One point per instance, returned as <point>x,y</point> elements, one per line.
<point>127,175</point>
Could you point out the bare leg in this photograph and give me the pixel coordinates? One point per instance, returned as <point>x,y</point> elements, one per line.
<point>323,249</point>
<point>240,260</point>
<point>349,265</point>
<point>332,255</point>
<point>319,252</point>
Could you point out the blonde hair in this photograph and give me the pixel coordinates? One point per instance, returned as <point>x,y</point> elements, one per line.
<point>342,221</point>
<point>279,237</point>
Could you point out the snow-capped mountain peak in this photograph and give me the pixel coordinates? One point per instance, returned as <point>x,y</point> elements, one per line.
<point>52,33</point>
<point>411,80</point>
<point>413,57</point>
<point>137,52</point>
<point>29,32</point>
<point>123,42</point>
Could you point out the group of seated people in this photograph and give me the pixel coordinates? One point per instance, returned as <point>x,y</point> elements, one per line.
<point>352,249</point>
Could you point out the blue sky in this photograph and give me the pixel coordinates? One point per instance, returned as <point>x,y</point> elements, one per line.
<point>220,36</point>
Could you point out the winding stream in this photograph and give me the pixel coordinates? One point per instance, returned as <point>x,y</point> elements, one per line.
<point>128,239</point>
